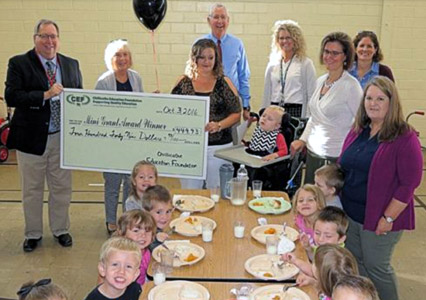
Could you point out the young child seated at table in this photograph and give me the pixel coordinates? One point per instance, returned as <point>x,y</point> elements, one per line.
<point>308,201</point>
<point>267,137</point>
<point>157,200</point>
<point>353,287</point>
<point>43,289</point>
<point>332,262</point>
<point>144,175</point>
<point>139,226</point>
<point>330,179</point>
<point>119,266</point>
<point>329,228</point>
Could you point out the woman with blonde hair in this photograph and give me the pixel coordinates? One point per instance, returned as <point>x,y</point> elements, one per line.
<point>290,74</point>
<point>119,77</point>
<point>382,161</point>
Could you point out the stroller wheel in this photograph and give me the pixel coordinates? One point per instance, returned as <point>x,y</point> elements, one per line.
<point>4,132</point>
<point>4,153</point>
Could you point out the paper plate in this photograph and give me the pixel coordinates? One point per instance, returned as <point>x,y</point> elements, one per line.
<point>275,292</point>
<point>192,203</point>
<point>265,267</point>
<point>269,205</point>
<point>175,290</point>
<point>260,233</point>
<point>183,249</point>
<point>191,226</point>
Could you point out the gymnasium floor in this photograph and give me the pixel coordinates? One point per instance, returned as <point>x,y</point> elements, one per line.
<point>75,268</point>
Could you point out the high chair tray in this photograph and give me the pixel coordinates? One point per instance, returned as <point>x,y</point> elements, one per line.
<point>237,154</point>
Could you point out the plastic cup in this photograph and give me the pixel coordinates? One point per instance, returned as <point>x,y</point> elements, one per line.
<point>166,258</point>
<point>159,273</point>
<point>207,232</point>
<point>257,188</point>
<point>271,244</point>
<point>215,194</point>
<point>239,229</point>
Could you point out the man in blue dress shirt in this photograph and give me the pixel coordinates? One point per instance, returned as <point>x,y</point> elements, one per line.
<point>234,58</point>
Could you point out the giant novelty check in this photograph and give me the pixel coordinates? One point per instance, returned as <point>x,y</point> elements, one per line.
<point>110,131</point>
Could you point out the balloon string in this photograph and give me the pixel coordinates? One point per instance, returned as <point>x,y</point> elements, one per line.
<point>154,53</point>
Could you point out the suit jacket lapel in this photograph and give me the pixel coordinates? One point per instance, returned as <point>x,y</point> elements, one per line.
<point>40,71</point>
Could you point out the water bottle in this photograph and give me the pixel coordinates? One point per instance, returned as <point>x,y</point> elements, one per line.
<point>242,173</point>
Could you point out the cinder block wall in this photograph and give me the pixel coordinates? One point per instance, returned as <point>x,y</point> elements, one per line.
<point>88,25</point>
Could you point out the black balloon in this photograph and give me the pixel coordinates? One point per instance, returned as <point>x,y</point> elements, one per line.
<point>150,12</point>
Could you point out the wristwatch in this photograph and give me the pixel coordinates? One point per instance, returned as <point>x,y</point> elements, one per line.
<point>388,219</point>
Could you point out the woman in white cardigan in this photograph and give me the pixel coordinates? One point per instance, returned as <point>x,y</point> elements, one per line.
<point>333,105</point>
<point>119,77</point>
<point>290,75</point>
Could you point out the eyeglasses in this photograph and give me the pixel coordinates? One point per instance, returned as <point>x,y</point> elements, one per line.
<point>332,53</point>
<point>47,36</point>
<point>24,291</point>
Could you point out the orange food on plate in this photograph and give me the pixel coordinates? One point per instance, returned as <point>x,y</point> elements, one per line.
<point>276,297</point>
<point>190,220</point>
<point>270,231</point>
<point>267,275</point>
<point>257,204</point>
<point>191,257</point>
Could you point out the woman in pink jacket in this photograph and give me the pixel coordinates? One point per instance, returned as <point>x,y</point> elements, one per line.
<point>382,162</point>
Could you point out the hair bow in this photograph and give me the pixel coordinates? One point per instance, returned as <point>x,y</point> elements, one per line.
<point>25,290</point>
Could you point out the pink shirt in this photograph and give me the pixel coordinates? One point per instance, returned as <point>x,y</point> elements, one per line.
<point>300,222</point>
<point>146,257</point>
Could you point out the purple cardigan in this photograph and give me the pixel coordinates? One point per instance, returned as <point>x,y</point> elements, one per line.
<point>395,172</point>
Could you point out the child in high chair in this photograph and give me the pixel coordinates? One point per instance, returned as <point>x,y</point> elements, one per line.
<point>331,263</point>
<point>353,287</point>
<point>307,203</point>
<point>119,267</point>
<point>43,289</point>
<point>329,228</point>
<point>330,179</point>
<point>157,200</point>
<point>144,175</point>
<point>267,136</point>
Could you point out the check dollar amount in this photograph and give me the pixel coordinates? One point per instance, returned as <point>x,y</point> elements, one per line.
<point>125,129</point>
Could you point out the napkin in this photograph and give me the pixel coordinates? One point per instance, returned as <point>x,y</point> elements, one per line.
<point>262,221</point>
<point>285,245</point>
<point>185,214</point>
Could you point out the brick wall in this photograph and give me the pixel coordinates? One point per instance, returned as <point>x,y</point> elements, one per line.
<point>88,25</point>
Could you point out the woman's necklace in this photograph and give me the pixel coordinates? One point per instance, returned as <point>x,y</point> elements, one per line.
<point>329,85</point>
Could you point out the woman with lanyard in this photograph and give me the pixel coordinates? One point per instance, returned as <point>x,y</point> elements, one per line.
<point>290,75</point>
<point>333,105</point>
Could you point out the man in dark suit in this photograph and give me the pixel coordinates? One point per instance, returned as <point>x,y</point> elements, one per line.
<point>33,85</point>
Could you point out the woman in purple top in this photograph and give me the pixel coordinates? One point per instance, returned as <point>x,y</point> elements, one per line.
<point>382,162</point>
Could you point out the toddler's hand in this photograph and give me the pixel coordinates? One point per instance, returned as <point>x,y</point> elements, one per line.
<point>304,280</point>
<point>269,157</point>
<point>162,236</point>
